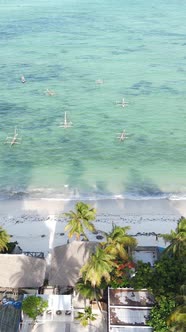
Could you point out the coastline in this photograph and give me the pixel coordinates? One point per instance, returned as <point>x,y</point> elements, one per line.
<point>38,225</point>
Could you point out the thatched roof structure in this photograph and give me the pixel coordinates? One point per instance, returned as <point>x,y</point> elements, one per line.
<point>18,271</point>
<point>67,261</point>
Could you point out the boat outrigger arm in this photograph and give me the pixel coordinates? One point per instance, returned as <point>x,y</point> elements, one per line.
<point>13,139</point>
<point>123,103</point>
<point>122,136</point>
<point>65,123</point>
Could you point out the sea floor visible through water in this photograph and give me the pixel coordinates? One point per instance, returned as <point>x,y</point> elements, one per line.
<point>93,54</point>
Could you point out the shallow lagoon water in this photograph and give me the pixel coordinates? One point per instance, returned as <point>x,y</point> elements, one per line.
<point>138,50</point>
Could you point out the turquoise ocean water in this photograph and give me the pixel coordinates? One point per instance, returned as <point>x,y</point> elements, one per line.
<point>138,49</point>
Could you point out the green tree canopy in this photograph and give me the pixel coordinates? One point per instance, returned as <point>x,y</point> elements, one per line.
<point>80,220</point>
<point>177,240</point>
<point>166,277</point>
<point>34,306</point>
<point>160,313</point>
<point>143,276</point>
<point>177,319</point>
<point>164,280</point>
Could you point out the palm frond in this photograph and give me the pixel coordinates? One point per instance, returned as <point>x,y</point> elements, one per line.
<point>98,267</point>
<point>4,239</point>
<point>80,220</point>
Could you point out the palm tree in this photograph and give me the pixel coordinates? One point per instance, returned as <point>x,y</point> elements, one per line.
<point>86,316</point>
<point>4,239</point>
<point>119,242</point>
<point>96,272</point>
<point>177,240</point>
<point>80,220</point>
<point>87,291</point>
<point>98,267</point>
<point>177,320</point>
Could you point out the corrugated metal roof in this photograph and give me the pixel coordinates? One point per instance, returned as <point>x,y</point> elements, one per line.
<point>128,316</point>
<point>129,297</point>
<point>128,310</point>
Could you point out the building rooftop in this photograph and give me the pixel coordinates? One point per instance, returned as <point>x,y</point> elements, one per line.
<point>19,271</point>
<point>67,260</point>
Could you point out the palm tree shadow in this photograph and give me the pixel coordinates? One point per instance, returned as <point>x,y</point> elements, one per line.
<point>80,186</point>
<point>67,260</point>
<point>75,176</point>
<point>101,189</point>
<point>142,186</point>
<point>28,272</point>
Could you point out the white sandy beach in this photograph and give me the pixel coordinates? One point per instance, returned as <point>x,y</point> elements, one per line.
<point>38,225</point>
